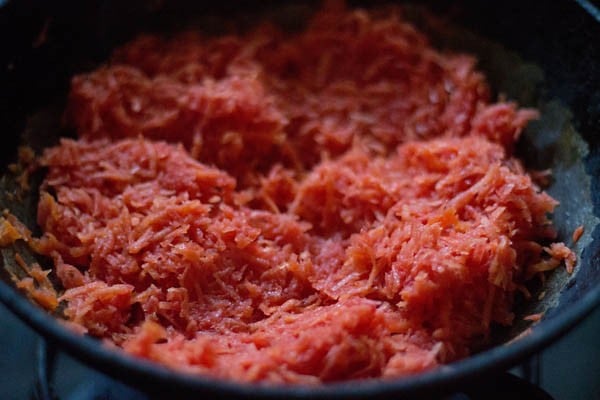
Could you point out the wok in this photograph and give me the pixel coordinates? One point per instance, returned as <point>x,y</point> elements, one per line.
<point>542,54</point>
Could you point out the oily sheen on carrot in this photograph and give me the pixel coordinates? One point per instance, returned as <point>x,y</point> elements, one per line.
<point>332,204</point>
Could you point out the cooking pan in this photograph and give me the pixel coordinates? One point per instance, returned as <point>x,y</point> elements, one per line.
<point>542,54</point>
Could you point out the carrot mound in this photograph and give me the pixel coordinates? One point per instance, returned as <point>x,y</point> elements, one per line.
<point>334,204</point>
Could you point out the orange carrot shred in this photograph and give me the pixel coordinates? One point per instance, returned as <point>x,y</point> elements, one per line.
<point>331,204</point>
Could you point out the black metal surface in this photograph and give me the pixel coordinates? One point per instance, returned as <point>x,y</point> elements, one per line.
<point>559,36</point>
<point>45,368</point>
<point>101,388</point>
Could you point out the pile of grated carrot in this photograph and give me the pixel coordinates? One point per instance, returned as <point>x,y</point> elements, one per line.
<point>332,204</point>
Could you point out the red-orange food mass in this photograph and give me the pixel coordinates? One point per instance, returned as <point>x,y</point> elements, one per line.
<point>307,207</point>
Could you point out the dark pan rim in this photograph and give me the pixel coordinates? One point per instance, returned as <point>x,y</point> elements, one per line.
<point>129,369</point>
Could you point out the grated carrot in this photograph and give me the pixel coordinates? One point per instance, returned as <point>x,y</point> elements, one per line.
<point>338,203</point>
<point>577,233</point>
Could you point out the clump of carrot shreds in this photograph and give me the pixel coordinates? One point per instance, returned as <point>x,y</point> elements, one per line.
<point>334,204</point>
